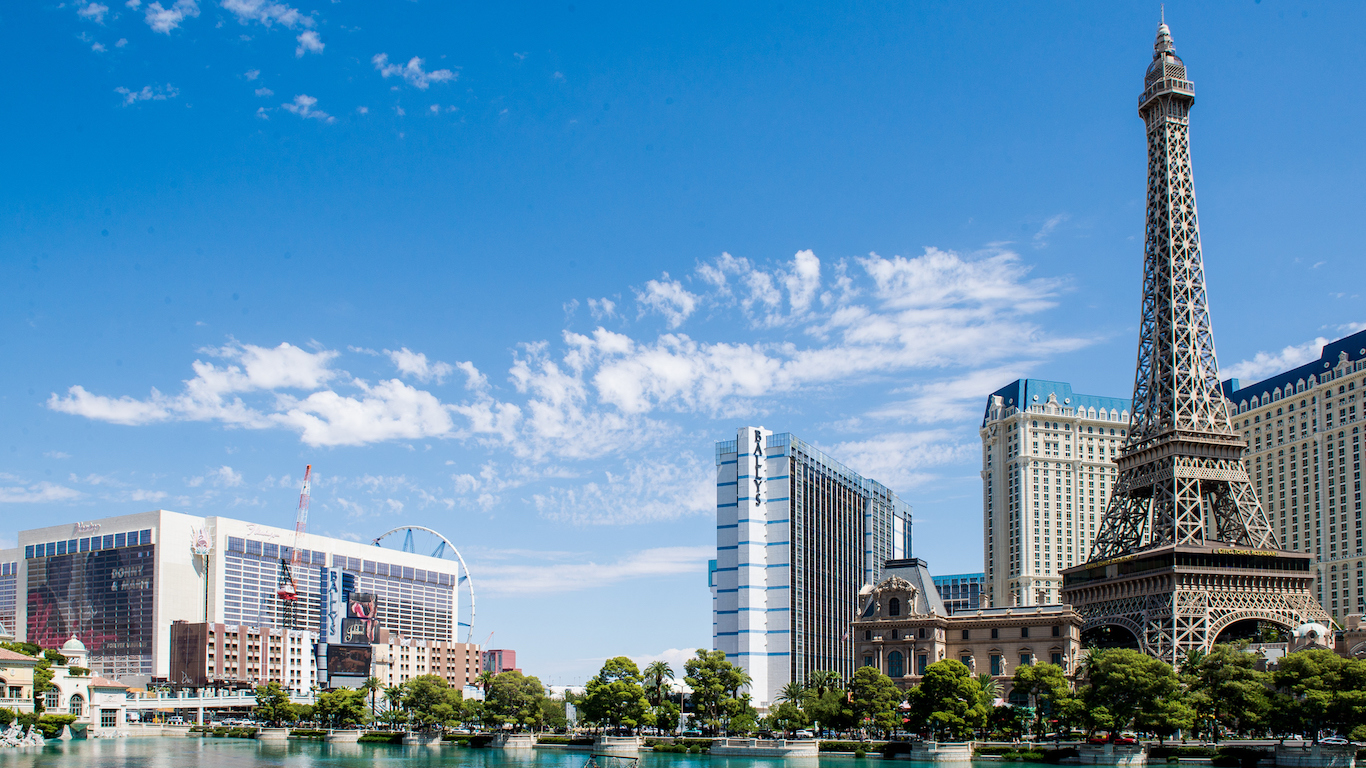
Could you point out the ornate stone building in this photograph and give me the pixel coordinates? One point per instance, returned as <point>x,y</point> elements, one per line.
<point>903,627</point>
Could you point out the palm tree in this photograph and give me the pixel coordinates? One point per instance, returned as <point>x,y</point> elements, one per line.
<point>485,680</point>
<point>824,680</point>
<point>991,687</point>
<point>658,674</point>
<point>741,679</point>
<point>792,693</point>
<point>370,686</point>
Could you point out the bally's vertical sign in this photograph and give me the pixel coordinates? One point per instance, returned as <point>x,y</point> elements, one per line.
<point>331,608</point>
<point>758,475</point>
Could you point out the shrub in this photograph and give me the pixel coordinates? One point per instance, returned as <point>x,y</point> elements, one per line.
<point>381,737</point>
<point>842,746</point>
<point>307,733</point>
<point>860,753</point>
<point>51,725</point>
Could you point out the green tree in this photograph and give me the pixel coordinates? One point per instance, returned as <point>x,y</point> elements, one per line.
<point>1125,682</point>
<point>948,700</point>
<point>716,685</point>
<point>1319,690</point>
<point>615,696</point>
<point>432,703</point>
<point>342,708</point>
<point>875,699</point>
<point>273,705</point>
<point>515,699</point>
<point>552,714</point>
<point>1227,688</point>
<point>1047,689</point>
<point>1171,714</point>
<point>658,678</point>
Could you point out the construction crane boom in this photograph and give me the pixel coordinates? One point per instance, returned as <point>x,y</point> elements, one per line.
<point>287,590</point>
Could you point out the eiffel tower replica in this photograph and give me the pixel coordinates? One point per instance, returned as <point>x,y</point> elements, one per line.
<point>1184,549</point>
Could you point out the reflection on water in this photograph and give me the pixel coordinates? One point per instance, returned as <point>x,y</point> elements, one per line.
<point>247,753</point>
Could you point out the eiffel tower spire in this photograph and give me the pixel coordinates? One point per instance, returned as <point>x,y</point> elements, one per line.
<point>1181,476</point>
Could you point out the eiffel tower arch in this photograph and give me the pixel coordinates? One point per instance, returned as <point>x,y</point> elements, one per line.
<point>1184,548</point>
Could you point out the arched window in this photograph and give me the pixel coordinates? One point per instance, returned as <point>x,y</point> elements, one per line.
<point>894,607</point>
<point>76,706</point>
<point>896,665</point>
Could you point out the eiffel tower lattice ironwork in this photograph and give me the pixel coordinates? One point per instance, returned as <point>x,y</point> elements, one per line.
<point>1183,494</point>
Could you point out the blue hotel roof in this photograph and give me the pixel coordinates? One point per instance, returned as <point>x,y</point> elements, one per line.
<point>1034,391</point>
<point>1354,346</point>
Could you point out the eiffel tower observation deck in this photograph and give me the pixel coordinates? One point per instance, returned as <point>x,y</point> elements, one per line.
<point>1184,550</point>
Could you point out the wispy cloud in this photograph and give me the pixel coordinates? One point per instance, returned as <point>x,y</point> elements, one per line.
<point>37,493</point>
<point>555,576</point>
<point>1265,364</point>
<point>303,106</point>
<point>415,364</point>
<point>309,42</point>
<point>163,20</point>
<point>412,72</point>
<point>93,12</point>
<point>148,93</point>
<point>1041,237</point>
<point>266,13</point>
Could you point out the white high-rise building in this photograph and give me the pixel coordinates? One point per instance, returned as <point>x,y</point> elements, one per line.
<point>1048,465</point>
<point>797,535</point>
<point>1303,433</point>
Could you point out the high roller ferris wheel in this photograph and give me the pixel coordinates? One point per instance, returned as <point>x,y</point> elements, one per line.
<point>421,540</point>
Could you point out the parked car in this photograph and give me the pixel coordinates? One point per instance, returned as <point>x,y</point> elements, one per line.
<point>1334,740</point>
<point>804,734</point>
<point>692,734</point>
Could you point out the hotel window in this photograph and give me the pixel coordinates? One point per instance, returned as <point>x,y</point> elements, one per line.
<point>1057,659</point>
<point>996,664</point>
<point>894,607</point>
<point>995,633</point>
<point>921,662</point>
<point>1026,659</point>
<point>895,664</point>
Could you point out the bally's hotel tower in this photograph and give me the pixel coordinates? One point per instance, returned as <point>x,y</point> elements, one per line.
<point>797,535</point>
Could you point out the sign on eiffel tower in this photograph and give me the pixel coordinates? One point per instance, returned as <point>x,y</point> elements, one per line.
<point>1184,550</point>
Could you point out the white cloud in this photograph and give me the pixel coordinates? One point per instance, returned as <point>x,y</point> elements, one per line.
<point>226,477</point>
<point>134,4</point>
<point>152,496</point>
<point>93,11</point>
<point>602,309</point>
<point>412,72</point>
<point>415,364</point>
<point>122,41</point>
<point>264,92</point>
<point>57,455</point>
<point>97,47</point>
<point>643,493</point>
<point>674,657</point>
<point>37,493</point>
<point>669,298</point>
<point>901,459</point>
<point>1041,237</point>
<point>956,399</point>
<point>252,74</point>
<point>266,13</point>
<point>954,325</point>
<point>557,577</point>
<point>389,410</point>
<point>303,107</point>
<point>362,110</point>
<point>148,93</point>
<point>164,20</point>
<point>1265,364</point>
<point>309,42</point>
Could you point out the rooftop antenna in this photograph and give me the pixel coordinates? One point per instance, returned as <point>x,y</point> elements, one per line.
<point>1162,9</point>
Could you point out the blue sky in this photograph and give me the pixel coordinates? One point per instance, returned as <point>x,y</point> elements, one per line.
<point>508,270</point>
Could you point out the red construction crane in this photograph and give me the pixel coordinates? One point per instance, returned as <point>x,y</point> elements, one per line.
<point>287,591</point>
